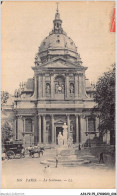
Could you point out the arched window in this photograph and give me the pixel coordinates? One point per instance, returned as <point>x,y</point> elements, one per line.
<point>59,85</point>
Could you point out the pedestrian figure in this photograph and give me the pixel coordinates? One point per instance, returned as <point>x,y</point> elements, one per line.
<point>101,158</point>
<point>44,169</point>
<point>56,161</point>
<point>79,147</point>
<point>23,152</point>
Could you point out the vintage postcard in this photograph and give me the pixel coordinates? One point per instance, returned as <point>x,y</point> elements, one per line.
<point>58,95</point>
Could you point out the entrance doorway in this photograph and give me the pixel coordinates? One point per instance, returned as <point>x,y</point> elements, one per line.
<point>58,129</point>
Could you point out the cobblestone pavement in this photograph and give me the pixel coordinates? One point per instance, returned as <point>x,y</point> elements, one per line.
<point>30,173</point>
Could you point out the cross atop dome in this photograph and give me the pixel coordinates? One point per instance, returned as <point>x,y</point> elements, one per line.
<point>57,10</point>
<point>57,22</point>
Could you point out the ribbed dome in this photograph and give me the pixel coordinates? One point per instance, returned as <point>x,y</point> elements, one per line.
<point>57,44</point>
<point>57,41</point>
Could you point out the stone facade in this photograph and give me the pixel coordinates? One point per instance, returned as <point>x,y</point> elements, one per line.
<point>59,93</point>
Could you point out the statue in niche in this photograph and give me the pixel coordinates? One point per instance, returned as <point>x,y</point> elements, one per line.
<point>60,139</point>
<point>48,89</point>
<point>71,128</point>
<point>71,88</point>
<point>47,128</point>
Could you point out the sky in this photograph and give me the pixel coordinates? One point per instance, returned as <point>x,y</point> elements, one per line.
<point>24,25</point>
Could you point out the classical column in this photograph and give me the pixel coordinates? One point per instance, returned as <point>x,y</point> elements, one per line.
<point>44,129</point>
<point>76,85</point>
<point>83,130</point>
<point>43,85</point>
<point>39,125</point>
<point>86,124</point>
<point>55,135</point>
<point>68,124</point>
<point>97,125</point>
<point>77,132</point>
<point>52,117</point>
<point>24,125</point>
<point>67,86</point>
<point>23,132</point>
<point>33,126</point>
<point>79,125</point>
<point>52,85</point>
<point>35,129</point>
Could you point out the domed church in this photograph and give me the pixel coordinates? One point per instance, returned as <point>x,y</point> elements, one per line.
<point>58,93</point>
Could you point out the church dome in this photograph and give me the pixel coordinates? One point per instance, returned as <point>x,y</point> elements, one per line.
<point>57,41</point>
<point>57,44</point>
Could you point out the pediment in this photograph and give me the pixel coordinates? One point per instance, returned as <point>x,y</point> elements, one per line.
<point>59,122</point>
<point>59,63</point>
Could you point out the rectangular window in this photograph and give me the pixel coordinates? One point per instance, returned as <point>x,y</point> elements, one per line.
<point>91,125</point>
<point>28,124</point>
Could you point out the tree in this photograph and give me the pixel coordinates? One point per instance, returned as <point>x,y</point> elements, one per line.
<point>4,97</point>
<point>7,132</point>
<point>105,99</point>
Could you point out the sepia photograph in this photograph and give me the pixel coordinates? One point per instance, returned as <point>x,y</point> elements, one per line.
<point>58,95</point>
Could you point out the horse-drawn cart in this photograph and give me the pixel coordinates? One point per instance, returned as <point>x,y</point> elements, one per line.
<point>14,149</point>
<point>36,150</point>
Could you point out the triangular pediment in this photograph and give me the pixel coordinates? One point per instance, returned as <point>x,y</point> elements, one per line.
<point>59,122</point>
<point>59,63</point>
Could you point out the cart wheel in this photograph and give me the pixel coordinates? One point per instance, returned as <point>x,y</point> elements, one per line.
<point>18,156</point>
<point>10,154</point>
<point>26,151</point>
<point>23,155</point>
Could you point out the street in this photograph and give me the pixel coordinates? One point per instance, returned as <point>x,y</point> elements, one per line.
<point>30,173</point>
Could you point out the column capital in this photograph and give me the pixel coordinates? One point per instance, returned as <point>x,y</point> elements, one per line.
<point>43,74</point>
<point>83,116</point>
<point>52,115</point>
<point>80,74</point>
<point>51,74</point>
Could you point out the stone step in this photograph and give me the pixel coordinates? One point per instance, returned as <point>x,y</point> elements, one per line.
<point>66,163</point>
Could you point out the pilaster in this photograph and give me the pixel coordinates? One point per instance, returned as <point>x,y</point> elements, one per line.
<point>67,85</point>
<point>36,86</point>
<point>68,123</point>
<point>80,85</point>
<point>39,125</point>
<point>76,85</point>
<point>44,129</point>
<point>35,129</point>
<point>43,78</point>
<point>77,130</point>
<point>52,85</point>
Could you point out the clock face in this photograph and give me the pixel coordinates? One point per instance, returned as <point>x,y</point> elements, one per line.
<point>59,88</point>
